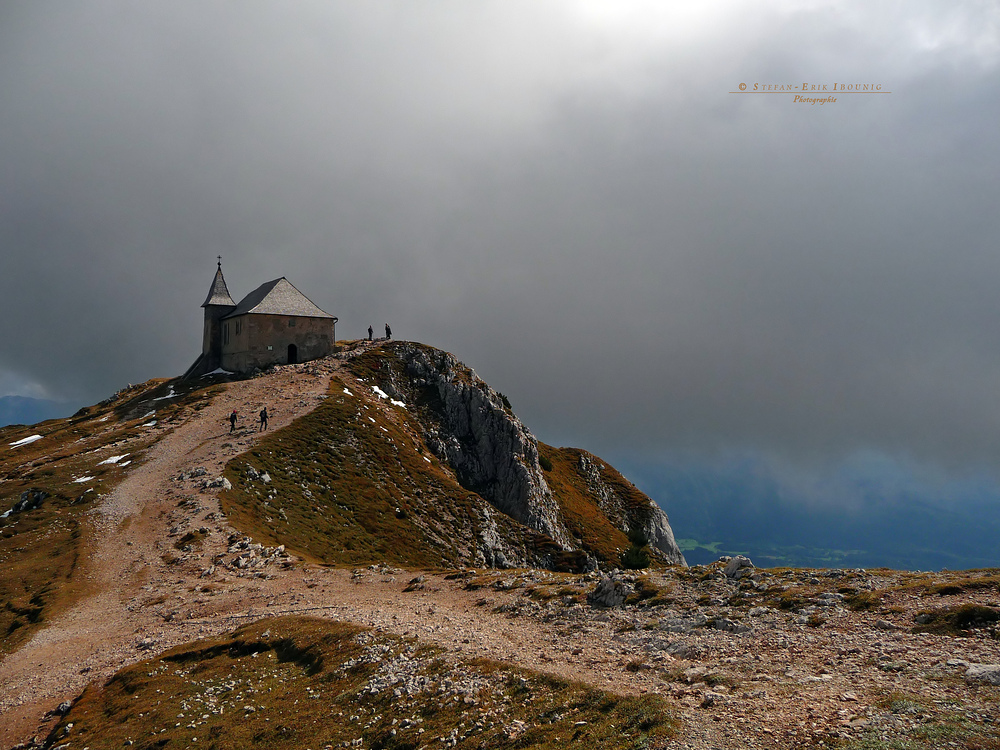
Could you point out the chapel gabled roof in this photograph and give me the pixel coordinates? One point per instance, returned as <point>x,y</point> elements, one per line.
<point>219,293</point>
<point>278,297</point>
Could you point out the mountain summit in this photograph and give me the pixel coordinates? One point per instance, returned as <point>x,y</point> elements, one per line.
<point>413,459</point>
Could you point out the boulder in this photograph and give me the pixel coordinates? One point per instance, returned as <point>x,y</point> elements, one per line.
<point>988,673</point>
<point>609,593</point>
<point>738,567</point>
<point>29,500</point>
<point>684,624</point>
<point>729,626</point>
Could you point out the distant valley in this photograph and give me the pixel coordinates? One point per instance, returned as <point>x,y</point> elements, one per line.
<point>865,519</point>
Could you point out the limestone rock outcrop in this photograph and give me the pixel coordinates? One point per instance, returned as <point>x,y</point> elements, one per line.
<point>610,592</point>
<point>489,448</point>
<point>29,500</point>
<point>649,519</point>
<point>472,428</point>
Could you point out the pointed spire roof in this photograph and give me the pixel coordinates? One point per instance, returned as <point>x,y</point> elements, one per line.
<point>219,293</point>
<point>278,297</point>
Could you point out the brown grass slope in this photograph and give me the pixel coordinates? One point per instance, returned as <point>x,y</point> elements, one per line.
<point>597,526</point>
<point>354,483</point>
<point>300,682</point>
<point>42,550</point>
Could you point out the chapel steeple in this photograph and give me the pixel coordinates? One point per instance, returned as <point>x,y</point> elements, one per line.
<point>218,294</point>
<point>217,305</point>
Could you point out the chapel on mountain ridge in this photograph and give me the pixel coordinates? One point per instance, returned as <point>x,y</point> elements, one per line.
<point>275,324</point>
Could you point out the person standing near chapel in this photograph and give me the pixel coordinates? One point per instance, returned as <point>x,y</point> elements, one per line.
<point>371,332</point>
<point>232,421</point>
<point>388,332</point>
<point>263,419</point>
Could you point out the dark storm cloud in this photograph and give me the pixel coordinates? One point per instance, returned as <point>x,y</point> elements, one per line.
<point>565,195</point>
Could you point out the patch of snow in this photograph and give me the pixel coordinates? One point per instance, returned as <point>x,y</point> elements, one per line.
<point>25,441</point>
<point>149,424</point>
<point>217,371</point>
<point>82,479</point>
<point>427,459</point>
<point>124,463</point>
<point>371,420</point>
<point>383,429</point>
<point>348,392</point>
<point>5,513</point>
<point>148,414</point>
<point>170,394</point>
<point>112,460</point>
<point>394,402</point>
<point>379,392</point>
<point>105,418</point>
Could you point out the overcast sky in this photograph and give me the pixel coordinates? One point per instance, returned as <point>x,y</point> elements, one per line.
<point>564,194</point>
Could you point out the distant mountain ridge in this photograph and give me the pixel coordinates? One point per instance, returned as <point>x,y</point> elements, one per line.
<point>27,410</point>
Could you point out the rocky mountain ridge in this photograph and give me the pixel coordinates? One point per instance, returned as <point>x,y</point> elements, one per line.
<point>494,453</point>
<point>413,459</point>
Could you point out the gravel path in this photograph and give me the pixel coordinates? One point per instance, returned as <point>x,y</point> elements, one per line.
<point>127,568</point>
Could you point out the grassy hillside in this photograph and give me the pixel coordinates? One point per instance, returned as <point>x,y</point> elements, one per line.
<point>42,550</point>
<point>299,682</point>
<point>353,483</point>
<point>597,529</point>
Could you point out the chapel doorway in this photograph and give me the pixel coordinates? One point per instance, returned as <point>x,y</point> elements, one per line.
<point>293,354</point>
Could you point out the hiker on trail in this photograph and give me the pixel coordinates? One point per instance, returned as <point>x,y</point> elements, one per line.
<point>388,332</point>
<point>232,421</point>
<point>371,332</point>
<point>263,419</point>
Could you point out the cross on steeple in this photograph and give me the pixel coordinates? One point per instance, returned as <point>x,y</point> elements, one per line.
<point>220,260</point>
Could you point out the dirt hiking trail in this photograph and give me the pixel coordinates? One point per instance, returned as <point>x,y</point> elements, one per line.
<point>148,597</point>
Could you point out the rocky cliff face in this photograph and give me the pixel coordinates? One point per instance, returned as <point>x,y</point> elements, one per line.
<point>472,428</point>
<point>489,448</point>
